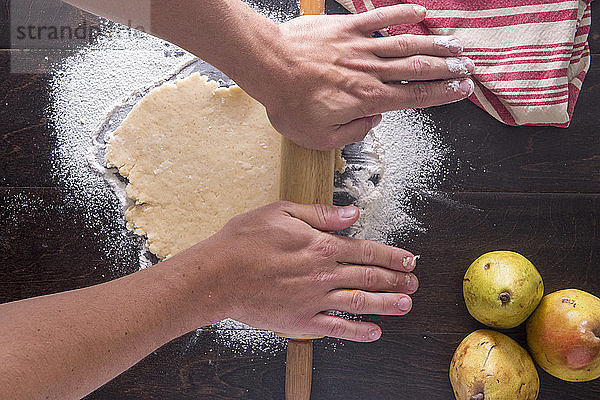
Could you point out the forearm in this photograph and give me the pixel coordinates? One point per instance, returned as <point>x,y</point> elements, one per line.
<point>65,345</point>
<point>226,33</point>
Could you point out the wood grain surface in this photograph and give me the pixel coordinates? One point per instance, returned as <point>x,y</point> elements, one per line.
<point>530,189</point>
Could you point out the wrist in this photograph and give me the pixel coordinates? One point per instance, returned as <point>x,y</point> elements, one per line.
<point>259,74</point>
<point>257,60</point>
<point>196,277</point>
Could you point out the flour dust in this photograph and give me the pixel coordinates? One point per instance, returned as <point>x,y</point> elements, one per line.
<point>397,163</point>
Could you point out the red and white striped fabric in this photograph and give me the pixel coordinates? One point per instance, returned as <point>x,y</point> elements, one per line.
<point>530,55</point>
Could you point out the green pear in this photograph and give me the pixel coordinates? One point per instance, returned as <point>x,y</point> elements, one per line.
<point>563,335</point>
<point>502,288</point>
<point>488,365</point>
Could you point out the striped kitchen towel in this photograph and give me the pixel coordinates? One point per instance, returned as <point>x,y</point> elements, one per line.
<point>530,55</point>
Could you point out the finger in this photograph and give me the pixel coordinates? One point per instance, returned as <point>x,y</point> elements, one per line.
<point>423,68</point>
<point>416,95</point>
<point>383,17</point>
<point>361,302</point>
<point>322,216</point>
<point>374,279</point>
<point>410,45</point>
<point>356,130</point>
<point>366,252</point>
<point>341,328</point>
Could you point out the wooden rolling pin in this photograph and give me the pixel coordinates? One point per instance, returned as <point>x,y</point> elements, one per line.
<point>307,178</point>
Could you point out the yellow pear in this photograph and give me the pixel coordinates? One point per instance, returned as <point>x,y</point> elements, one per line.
<point>563,335</point>
<point>502,288</point>
<point>488,365</point>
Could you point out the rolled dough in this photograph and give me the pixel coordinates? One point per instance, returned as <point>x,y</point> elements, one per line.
<point>195,155</point>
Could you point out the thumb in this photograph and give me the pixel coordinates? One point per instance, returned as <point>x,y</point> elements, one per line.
<point>322,216</point>
<point>356,130</point>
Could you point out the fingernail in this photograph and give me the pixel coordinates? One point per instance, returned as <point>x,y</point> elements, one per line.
<point>404,304</point>
<point>449,42</point>
<point>462,65</point>
<point>467,87</point>
<point>420,10</point>
<point>376,120</point>
<point>469,64</point>
<point>374,334</point>
<point>412,283</point>
<point>455,46</point>
<point>347,212</point>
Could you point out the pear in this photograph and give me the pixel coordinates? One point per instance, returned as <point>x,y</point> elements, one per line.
<point>563,335</point>
<point>488,365</point>
<point>502,288</point>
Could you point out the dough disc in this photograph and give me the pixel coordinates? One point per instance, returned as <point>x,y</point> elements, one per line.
<point>195,155</point>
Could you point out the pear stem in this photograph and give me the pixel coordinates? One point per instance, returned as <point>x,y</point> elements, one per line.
<point>504,297</point>
<point>478,396</point>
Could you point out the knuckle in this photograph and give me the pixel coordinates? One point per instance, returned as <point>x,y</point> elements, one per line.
<point>391,258</point>
<point>361,89</point>
<point>325,248</point>
<point>322,213</point>
<point>395,281</point>
<point>368,253</point>
<point>419,66</point>
<point>420,93</point>
<point>358,302</point>
<point>379,17</point>
<point>404,45</point>
<point>368,98</point>
<point>351,85</point>
<point>336,328</point>
<point>375,92</point>
<point>324,277</point>
<point>370,278</point>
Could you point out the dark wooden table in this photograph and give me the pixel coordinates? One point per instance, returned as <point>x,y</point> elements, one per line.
<point>529,189</point>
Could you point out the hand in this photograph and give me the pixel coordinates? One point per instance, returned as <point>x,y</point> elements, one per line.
<point>279,271</point>
<point>335,79</point>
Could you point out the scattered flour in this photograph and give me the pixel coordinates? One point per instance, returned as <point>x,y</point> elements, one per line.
<point>244,338</point>
<point>93,89</point>
<point>399,161</point>
<point>85,87</point>
<point>280,11</point>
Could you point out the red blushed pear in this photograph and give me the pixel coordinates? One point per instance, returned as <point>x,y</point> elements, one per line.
<point>563,335</point>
